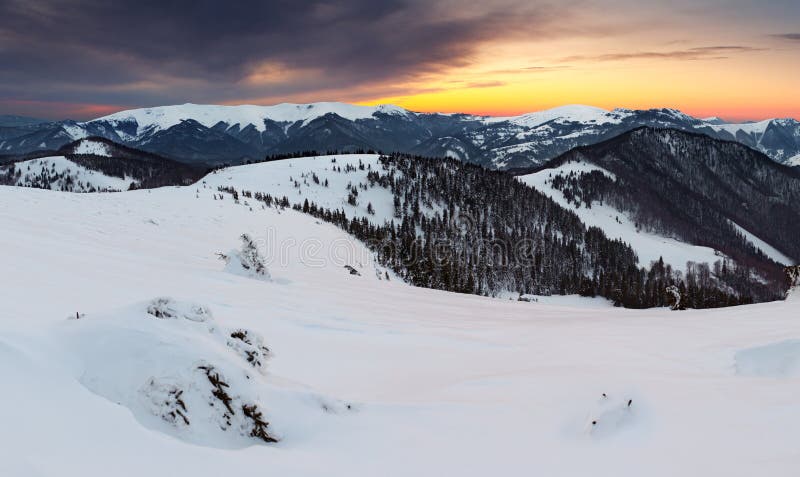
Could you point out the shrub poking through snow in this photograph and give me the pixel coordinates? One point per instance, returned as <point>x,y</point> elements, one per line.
<point>250,346</point>
<point>251,420</point>
<point>165,400</point>
<point>180,372</point>
<point>161,308</point>
<point>250,258</point>
<point>167,308</point>
<point>259,425</point>
<point>218,391</point>
<point>247,260</point>
<point>352,270</point>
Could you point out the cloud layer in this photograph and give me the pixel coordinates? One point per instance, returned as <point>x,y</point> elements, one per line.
<point>83,58</point>
<point>150,52</point>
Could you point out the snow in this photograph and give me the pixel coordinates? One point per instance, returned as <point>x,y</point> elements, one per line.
<point>164,117</point>
<point>617,225</point>
<point>749,128</point>
<point>570,113</point>
<point>768,249</point>
<point>82,179</point>
<point>794,161</point>
<point>74,131</point>
<point>97,148</point>
<point>274,178</point>
<point>776,360</point>
<point>366,376</point>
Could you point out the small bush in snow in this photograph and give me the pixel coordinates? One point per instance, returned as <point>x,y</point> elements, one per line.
<point>167,308</point>
<point>165,400</point>
<point>352,270</point>
<point>161,308</point>
<point>247,260</point>
<point>249,417</point>
<point>250,346</point>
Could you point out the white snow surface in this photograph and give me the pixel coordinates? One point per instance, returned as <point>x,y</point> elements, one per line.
<point>768,249</point>
<point>88,146</point>
<point>81,178</point>
<point>278,178</point>
<point>794,161</point>
<point>616,225</point>
<point>570,113</point>
<point>366,376</point>
<point>164,117</point>
<point>773,360</point>
<point>757,127</point>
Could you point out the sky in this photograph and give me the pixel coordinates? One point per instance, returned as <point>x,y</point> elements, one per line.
<point>81,59</point>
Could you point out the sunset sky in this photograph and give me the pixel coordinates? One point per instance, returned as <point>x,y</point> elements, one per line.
<point>737,59</point>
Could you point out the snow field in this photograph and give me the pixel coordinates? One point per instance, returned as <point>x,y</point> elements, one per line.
<point>437,383</point>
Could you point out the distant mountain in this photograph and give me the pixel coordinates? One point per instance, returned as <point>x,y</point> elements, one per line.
<point>235,134</point>
<point>96,165</point>
<point>685,187</point>
<point>7,120</point>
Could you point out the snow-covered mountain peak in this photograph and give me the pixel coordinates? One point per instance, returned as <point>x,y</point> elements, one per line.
<point>714,120</point>
<point>569,113</point>
<point>164,117</point>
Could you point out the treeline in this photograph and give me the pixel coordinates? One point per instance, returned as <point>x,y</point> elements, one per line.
<point>295,155</point>
<point>147,175</point>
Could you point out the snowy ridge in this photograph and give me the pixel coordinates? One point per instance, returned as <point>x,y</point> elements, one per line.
<point>570,113</point>
<point>335,175</point>
<point>293,178</point>
<point>164,117</point>
<point>749,128</point>
<point>61,174</point>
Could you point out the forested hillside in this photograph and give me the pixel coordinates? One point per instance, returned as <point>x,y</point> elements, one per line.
<point>700,190</point>
<point>463,228</point>
<point>96,165</point>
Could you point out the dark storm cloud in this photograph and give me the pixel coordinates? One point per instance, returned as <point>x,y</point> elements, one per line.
<point>788,36</point>
<point>151,52</point>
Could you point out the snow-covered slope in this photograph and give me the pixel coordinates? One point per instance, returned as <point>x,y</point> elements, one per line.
<point>295,179</point>
<point>59,173</point>
<point>164,117</point>
<point>766,248</point>
<point>92,147</point>
<point>648,246</point>
<point>366,376</point>
<point>574,113</point>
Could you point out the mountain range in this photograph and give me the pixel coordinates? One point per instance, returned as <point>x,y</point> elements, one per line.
<point>213,135</point>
